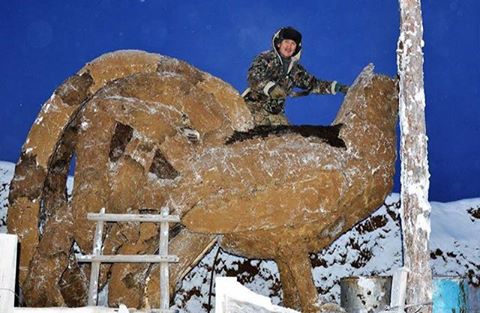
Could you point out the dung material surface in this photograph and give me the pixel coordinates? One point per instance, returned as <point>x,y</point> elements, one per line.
<point>328,134</point>
<point>149,131</point>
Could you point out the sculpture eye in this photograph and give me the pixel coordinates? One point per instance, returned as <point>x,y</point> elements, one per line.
<point>191,134</point>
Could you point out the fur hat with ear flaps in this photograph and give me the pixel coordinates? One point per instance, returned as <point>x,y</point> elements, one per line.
<point>288,33</point>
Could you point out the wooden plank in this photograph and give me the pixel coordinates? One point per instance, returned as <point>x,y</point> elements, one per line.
<point>223,286</point>
<point>89,309</point>
<point>163,251</point>
<point>151,218</point>
<point>399,289</point>
<point>8,265</point>
<point>95,272</point>
<point>120,258</point>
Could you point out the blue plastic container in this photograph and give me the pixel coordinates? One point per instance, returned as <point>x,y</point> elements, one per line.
<point>450,295</point>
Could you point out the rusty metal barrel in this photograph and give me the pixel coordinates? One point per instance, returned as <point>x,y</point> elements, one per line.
<point>361,294</point>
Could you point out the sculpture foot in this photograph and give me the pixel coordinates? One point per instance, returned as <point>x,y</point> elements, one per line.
<point>331,308</point>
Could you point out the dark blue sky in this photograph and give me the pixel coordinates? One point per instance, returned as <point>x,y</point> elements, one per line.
<point>44,42</point>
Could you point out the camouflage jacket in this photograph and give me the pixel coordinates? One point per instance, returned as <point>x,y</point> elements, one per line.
<point>268,69</point>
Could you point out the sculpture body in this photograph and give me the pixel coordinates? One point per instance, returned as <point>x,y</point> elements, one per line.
<point>149,131</point>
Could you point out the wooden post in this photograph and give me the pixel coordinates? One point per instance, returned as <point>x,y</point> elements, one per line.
<point>8,266</point>
<point>414,176</point>
<point>95,269</point>
<point>163,251</point>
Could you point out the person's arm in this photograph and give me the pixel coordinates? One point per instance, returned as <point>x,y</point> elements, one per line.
<point>258,76</point>
<point>305,80</point>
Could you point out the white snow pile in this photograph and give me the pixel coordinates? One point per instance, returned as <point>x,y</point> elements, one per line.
<point>372,247</point>
<point>235,298</point>
<point>6,175</point>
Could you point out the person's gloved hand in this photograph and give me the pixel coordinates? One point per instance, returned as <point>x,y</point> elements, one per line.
<point>277,92</point>
<point>341,88</point>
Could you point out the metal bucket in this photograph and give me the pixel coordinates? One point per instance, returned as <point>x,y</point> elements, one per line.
<point>473,298</point>
<point>365,294</point>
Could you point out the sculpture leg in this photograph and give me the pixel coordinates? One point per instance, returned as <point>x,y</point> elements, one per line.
<point>190,248</point>
<point>127,281</point>
<point>41,286</point>
<point>299,291</point>
<point>290,294</point>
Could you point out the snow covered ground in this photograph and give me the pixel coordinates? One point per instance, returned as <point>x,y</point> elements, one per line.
<point>372,247</point>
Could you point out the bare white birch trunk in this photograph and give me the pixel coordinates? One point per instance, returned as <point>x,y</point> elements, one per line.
<point>413,153</point>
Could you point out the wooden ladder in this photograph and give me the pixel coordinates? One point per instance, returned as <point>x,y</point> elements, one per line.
<point>96,258</point>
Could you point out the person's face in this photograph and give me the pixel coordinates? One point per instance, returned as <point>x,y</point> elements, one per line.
<point>287,47</point>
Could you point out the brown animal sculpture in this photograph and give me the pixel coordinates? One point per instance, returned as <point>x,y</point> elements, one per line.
<point>149,131</point>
